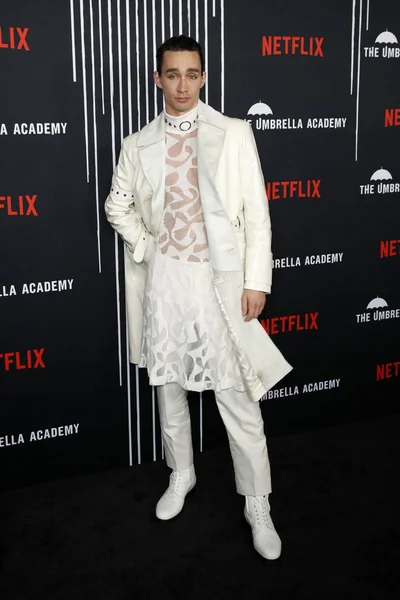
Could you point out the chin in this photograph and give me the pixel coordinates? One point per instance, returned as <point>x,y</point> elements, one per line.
<point>185,106</point>
<point>181,106</point>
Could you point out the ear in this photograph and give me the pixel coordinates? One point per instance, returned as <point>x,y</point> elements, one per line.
<point>203,79</point>
<point>156,78</point>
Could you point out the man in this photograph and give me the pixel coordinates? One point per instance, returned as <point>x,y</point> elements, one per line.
<point>188,199</point>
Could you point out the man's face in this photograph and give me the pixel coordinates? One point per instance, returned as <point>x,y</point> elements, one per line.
<point>181,80</point>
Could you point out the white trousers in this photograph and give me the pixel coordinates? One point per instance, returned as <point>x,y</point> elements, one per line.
<point>245,428</point>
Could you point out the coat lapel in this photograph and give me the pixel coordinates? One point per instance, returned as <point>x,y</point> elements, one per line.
<point>221,238</point>
<point>151,149</point>
<point>210,143</point>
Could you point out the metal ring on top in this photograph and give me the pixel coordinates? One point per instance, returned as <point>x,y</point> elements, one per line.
<point>185,126</point>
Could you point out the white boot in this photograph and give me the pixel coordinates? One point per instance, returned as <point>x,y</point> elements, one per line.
<point>171,502</point>
<point>265,538</point>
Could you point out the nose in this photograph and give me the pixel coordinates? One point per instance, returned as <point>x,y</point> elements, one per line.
<point>183,86</point>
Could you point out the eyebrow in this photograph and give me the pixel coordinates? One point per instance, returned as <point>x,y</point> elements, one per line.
<point>193,70</point>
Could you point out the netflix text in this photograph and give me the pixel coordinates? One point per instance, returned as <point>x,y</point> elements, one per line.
<point>14,38</point>
<point>388,370</point>
<point>392,117</point>
<point>275,45</point>
<point>389,248</point>
<point>18,206</point>
<point>309,188</point>
<point>286,324</point>
<point>21,360</point>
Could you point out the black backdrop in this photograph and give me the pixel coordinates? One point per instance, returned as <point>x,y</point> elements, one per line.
<point>320,83</point>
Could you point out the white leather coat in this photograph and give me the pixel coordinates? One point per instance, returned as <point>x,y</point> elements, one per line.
<point>236,215</point>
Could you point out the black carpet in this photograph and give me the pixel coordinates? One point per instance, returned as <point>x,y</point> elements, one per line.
<point>335,504</point>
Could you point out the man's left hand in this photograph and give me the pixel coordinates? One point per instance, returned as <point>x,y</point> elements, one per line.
<point>253,303</point>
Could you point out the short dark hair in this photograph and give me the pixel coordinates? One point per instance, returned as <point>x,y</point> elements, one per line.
<point>179,43</point>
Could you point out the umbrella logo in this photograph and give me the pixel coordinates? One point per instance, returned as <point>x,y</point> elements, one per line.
<point>381,182</point>
<point>260,108</point>
<point>377,303</point>
<point>378,310</point>
<point>381,175</point>
<point>386,37</point>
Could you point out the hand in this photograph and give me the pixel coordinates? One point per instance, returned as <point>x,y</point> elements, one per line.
<point>253,303</point>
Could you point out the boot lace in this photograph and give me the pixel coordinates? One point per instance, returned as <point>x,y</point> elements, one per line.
<point>261,510</point>
<point>175,480</point>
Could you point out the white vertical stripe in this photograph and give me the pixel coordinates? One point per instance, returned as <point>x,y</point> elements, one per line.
<point>153,413</point>
<point>73,41</point>
<point>96,168</point>
<point>137,64</point>
<point>130,126</point>
<point>129,65</point>
<point>367,14</point>
<point>197,20</point>
<point>189,17</point>
<point>222,56</point>
<point>201,422</point>
<point>101,58</point>
<point>162,21</point>
<point>84,88</point>
<point>121,104</point>
<point>146,59</point>
<point>139,455</point>
<point>139,451</point>
<point>353,26</point>
<point>154,58</point>
<point>180,17</point>
<point>111,67</point>
<point>358,78</point>
<point>170,19</point>
<point>214,8</point>
<point>128,385</point>
<point>206,44</point>
<point>112,116</point>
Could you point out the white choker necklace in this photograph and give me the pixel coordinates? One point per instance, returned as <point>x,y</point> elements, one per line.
<point>184,123</point>
<point>184,126</point>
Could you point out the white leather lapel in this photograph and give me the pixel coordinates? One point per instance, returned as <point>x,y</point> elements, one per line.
<point>151,150</point>
<point>210,142</point>
<point>221,238</point>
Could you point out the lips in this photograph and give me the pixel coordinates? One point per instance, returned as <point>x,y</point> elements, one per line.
<point>183,99</point>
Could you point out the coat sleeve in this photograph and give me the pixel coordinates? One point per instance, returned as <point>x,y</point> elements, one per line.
<point>258,264</point>
<point>120,207</point>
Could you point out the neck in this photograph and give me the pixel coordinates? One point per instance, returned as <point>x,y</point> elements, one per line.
<point>181,123</point>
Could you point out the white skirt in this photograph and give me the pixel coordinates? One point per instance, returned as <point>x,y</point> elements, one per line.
<point>185,338</point>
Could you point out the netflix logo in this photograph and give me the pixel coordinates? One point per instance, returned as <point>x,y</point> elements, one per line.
<point>389,248</point>
<point>286,324</point>
<point>21,360</point>
<point>275,45</point>
<point>309,188</point>
<point>392,117</point>
<point>14,38</point>
<point>387,370</point>
<point>21,206</point>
